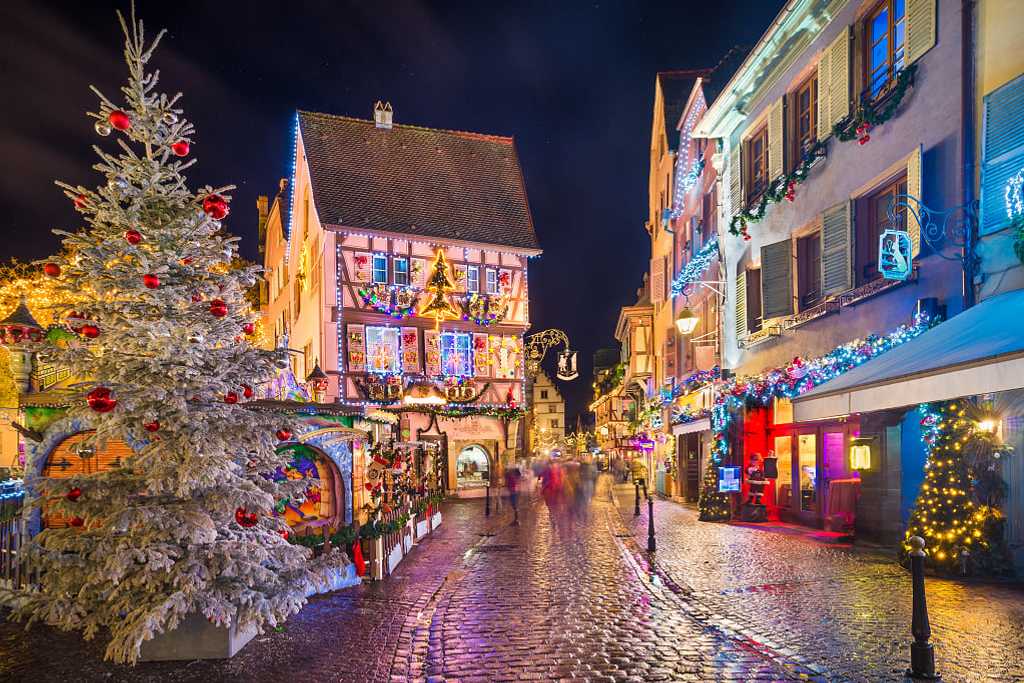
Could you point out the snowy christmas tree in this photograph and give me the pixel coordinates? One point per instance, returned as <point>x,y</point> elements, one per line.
<point>184,525</point>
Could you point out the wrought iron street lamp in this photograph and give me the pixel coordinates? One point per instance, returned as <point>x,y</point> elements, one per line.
<point>687,322</point>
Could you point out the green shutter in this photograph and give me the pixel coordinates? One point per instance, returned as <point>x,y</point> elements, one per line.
<point>735,179</point>
<point>777,279</point>
<point>740,306</point>
<point>1003,152</point>
<point>836,260</point>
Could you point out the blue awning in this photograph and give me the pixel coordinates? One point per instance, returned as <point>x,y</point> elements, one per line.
<point>979,351</point>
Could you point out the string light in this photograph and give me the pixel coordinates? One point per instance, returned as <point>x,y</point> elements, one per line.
<point>695,267</point>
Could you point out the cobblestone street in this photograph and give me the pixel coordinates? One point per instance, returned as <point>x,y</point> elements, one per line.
<point>573,597</point>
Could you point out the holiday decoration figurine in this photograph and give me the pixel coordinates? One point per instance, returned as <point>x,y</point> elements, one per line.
<point>163,538</point>
<point>439,285</point>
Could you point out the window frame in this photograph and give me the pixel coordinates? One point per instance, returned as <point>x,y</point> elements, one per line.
<point>870,225</point>
<point>374,331</point>
<point>543,394</point>
<point>466,369</point>
<point>752,192</point>
<point>798,145</point>
<point>396,271</point>
<point>808,262</point>
<point>755,319</point>
<point>473,279</point>
<point>491,275</point>
<point>374,260</point>
<point>891,72</point>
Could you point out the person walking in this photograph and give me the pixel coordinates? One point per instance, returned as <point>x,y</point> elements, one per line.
<point>512,478</point>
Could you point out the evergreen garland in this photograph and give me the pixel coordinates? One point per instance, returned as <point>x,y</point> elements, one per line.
<point>866,113</point>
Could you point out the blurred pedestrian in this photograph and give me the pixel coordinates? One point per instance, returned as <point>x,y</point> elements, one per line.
<point>512,478</point>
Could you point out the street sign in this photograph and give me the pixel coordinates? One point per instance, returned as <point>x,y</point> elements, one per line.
<point>895,254</point>
<point>567,366</point>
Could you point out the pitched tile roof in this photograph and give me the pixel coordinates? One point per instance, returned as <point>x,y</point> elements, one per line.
<point>419,181</point>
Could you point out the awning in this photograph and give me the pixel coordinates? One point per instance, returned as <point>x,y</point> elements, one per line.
<point>702,425</point>
<point>977,352</point>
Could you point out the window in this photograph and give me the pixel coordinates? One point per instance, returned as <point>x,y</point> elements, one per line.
<point>874,219</point>
<point>456,354</point>
<point>756,154</point>
<point>473,279</point>
<point>885,32</point>
<point>492,281</point>
<point>754,300</point>
<point>552,408</point>
<point>401,268</point>
<point>298,297</point>
<point>383,347</point>
<point>805,119</point>
<point>380,269</point>
<point>709,215</point>
<point>307,359</point>
<point>554,424</point>
<point>808,270</point>
<point>543,394</point>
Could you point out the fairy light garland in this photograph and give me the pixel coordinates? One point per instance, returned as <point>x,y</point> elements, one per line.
<point>695,267</point>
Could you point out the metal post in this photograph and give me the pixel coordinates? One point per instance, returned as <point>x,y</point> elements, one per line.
<point>922,657</point>
<point>487,502</point>
<point>651,546</point>
<point>636,503</point>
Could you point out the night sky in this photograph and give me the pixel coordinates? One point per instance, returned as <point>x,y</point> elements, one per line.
<point>573,82</point>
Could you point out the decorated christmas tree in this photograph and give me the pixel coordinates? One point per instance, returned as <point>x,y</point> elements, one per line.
<point>963,531</point>
<point>184,525</point>
<point>439,284</point>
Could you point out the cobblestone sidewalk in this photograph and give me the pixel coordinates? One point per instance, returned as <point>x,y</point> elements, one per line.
<point>843,612</point>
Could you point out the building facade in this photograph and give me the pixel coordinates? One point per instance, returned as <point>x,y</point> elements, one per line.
<point>546,416</point>
<point>396,262</point>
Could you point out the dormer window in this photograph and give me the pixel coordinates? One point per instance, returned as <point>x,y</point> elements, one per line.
<point>473,279</point>
<point>380,269</point>
<point>492,281</point>
<point>401,271</point>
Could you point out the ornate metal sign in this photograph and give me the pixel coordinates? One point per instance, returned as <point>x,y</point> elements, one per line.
<point>895,254</point>
<point>567,366</point>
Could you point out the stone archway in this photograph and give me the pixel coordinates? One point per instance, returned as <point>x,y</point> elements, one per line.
<point>473,467</point>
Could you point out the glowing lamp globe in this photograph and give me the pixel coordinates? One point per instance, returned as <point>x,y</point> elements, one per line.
<point>687,322</point>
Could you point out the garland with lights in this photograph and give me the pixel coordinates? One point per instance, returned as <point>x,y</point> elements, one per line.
<point>695,267</point>
<point>609,380</point>
<point>484,310</point>
<point>685,417</point>
<point>867,116</point>
<point>961,532</point>
<point>460,412</point>
<point>797,378</point>
<point>397,301</point>
<point>783,187</point>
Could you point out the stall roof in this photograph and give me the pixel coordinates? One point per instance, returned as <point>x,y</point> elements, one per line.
<point>977,352</point>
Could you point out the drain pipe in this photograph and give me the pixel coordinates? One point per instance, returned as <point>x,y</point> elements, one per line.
<point>967,79</point>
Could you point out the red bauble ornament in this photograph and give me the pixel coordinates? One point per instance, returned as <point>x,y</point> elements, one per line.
<point>100,400</point>
<point>284,534</point>
<point>119,120</point>
<point>151,281</point>
<point>283,434</point>
<point>215,206</point>
<point>231,397</point>
<point>864,140</point>
<point>76,521</point>
<point>218,308</point>
<point>152,426</point>
<point>89,331</point>
<point>180,148</point>
<point>247,391</point>
<point>51,269</point>
<point>245,518</point>
<point>187,261</point>
<point>132,236</point>
<point>80,202</point>
<point>74,494</point>
<point>249,328</point>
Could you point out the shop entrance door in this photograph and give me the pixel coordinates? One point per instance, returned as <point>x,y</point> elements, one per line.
<point>692,464</point>
<point>797,488</point>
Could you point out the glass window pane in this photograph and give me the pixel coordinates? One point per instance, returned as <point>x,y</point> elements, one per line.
<point>880,54</point>
<point>898,9</point>
<point>880,25</point>
<point>807,449</point>
<point>382,350</point>
<point>784,483</point>
<point>899,34</point>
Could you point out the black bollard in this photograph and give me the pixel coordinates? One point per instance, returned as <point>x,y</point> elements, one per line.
<point>922,656</point>
<point>487,502</point>
<point>651,546</point>
<point>636,503</point>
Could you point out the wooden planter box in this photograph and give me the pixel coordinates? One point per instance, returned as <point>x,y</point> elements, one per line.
<point>196,638</point>
<point>422,525</point>
<point>435,521</point>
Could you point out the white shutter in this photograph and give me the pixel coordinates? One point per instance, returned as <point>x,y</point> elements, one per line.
<point>740,304</point>
<point>824,129</point>
<point>920,28</point>
<point>838,78</point>
<point>836,259</point>
<point>418,275</point>
<point>356,348</point>
<point>1002,156</point>
<point>776,137</point>
<point>735,179</point>
<point>432,352</point>
<point>410,349</point>
<point>914,185</point>
<point>657,280</point>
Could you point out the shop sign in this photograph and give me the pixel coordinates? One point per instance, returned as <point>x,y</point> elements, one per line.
<point>567,366</point>
<point>728,479</point>
<point>895,254</point>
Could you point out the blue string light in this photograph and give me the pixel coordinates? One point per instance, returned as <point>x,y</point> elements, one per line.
<point>695,267</point>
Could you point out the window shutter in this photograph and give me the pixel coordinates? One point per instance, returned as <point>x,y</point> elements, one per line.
<point>410,349</point>
<point>481,355</point>
<point>418,272</point>
<point>776,126</point>
<point>432,352</point>
<point>777,279</point>
<point>824,128</point>
<point>741,303</point>
<point>836,259</point>
<point>356,348</point>
<point>735,179</point>
<point>657,280</point>
<point>920,28</point>
<point>838,78</point>
<point>914,186</point>
<point>363,264</point>
<point>1002,155</point>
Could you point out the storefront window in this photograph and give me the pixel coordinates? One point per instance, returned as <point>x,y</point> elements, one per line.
<point>472,468</point>
<point>807,454</point>
<point>783,411</point>
<point>784,484</point>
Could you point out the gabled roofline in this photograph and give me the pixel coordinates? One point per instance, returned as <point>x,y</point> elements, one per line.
<point>429,239</point>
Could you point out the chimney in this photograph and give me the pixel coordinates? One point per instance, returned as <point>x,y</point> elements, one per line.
<point>382,114</point>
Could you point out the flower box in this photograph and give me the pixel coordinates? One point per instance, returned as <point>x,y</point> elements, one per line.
<point>196,638</point>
